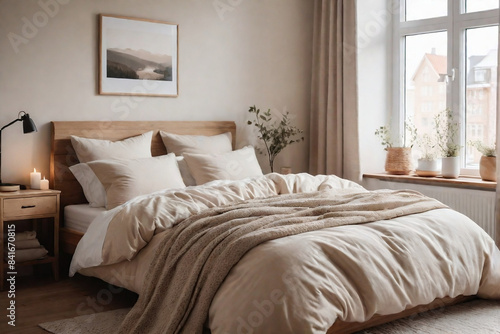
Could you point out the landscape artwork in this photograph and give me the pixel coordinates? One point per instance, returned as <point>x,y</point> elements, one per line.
<point>137,57</point>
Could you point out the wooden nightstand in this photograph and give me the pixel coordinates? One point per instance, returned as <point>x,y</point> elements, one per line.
<point>29,205</point>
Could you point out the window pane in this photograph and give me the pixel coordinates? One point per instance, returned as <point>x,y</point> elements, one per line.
<point>480,5</point>
<point>481,89</point>
<point>424,9</point>
<point>425,80</point>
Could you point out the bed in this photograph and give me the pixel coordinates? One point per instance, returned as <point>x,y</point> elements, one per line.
<point>136,266</point>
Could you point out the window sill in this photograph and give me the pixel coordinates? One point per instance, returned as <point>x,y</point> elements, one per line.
<point>467,182</point>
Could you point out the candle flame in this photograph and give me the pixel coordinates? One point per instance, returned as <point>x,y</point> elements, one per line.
<point>34,170</point>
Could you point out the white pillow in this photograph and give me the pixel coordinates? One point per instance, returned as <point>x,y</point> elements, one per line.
<point>185,173</point>
<point>235,165</point>
<point>92,188</point>
<point>126,179</point>
<point>180,144</point>
<point>99,149</point>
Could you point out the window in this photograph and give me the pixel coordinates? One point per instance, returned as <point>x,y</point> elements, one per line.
<point>479,75</point>
<point>426,108</point>
<point>475,131</point>
<point>426,91</point>
<point>445,54</point>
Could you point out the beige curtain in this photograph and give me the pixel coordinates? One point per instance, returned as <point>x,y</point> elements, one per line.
<point>497,226</point>
<point>334,144</point>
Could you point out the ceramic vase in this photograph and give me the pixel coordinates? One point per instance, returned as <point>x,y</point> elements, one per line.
<point>428,167</point>
<point>450,167</point>
<point>488,168</point>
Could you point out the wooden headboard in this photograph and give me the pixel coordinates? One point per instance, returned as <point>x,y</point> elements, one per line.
<point>63,156</point>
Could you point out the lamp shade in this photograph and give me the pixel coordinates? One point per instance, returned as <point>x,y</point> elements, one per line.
<point>28,124</point>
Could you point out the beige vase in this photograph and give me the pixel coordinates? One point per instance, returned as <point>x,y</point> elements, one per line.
<point>398,160</point>
<point>488,168</point>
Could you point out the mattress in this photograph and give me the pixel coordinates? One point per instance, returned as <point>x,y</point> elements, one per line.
<point>79,216</point>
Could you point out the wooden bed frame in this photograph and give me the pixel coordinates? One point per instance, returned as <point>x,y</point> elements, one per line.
<point>63,156</point>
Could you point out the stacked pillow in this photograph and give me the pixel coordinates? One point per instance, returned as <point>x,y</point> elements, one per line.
<point>126,179</point>
<point>181,144</point>
<point>211,158</point>
<point>111,173</point>
<point>87,149</point>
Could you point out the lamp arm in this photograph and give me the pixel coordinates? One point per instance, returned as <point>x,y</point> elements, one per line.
<point>14,121</point>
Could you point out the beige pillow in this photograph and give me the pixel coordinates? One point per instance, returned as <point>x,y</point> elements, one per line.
<point>126,179</point>
<point>99,149</point>
<point>235,165</point>
<point>185,172</point>
<point>92,187</point>
<point>180,144</point>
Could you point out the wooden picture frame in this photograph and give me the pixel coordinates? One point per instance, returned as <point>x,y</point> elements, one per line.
<point>138,56</point>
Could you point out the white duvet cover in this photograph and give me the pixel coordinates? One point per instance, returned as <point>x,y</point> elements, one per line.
<point>303,283</point>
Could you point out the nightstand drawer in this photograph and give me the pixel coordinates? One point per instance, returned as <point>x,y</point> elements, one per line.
<point>29,206</point>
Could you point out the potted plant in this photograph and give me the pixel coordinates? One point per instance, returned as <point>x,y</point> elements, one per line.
<point>428,163</point>
<point>275,135</point>
<point>488,162</point>
<point>398,159</point>
<point>447,134</point>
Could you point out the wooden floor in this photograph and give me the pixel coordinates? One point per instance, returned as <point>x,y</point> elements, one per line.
<point>41,300</point>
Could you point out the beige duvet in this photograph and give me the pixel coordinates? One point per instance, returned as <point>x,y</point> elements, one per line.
<point>304,282</point>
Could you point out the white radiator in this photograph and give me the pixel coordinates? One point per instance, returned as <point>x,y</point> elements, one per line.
<point>478,205</point>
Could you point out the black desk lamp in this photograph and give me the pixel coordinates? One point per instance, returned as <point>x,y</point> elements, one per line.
<point>28,126</point>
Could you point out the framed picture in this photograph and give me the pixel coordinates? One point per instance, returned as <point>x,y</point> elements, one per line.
<point>138,57</point>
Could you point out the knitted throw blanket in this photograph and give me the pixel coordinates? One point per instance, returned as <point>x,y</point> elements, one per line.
<point>197,254</point>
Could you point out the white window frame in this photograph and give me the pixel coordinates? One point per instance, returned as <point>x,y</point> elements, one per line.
<point>455,25</point>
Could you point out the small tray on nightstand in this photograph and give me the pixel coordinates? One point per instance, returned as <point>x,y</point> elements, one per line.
<point>9,187</point>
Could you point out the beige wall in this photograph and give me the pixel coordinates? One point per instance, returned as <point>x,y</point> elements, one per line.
<point>249,52</point>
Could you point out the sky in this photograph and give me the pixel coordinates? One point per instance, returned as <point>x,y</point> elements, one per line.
<point>137,40</point>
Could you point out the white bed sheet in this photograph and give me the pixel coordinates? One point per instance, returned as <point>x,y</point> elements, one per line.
<point>79,216</point>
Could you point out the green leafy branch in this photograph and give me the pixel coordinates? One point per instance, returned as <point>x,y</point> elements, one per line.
<point>427,144</point>
<point>385,136</point>
<point>275,135</point>
<point>484,149</point>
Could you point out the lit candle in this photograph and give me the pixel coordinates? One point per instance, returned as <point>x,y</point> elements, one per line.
<point>44,184</point>
<point>35,178</point>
